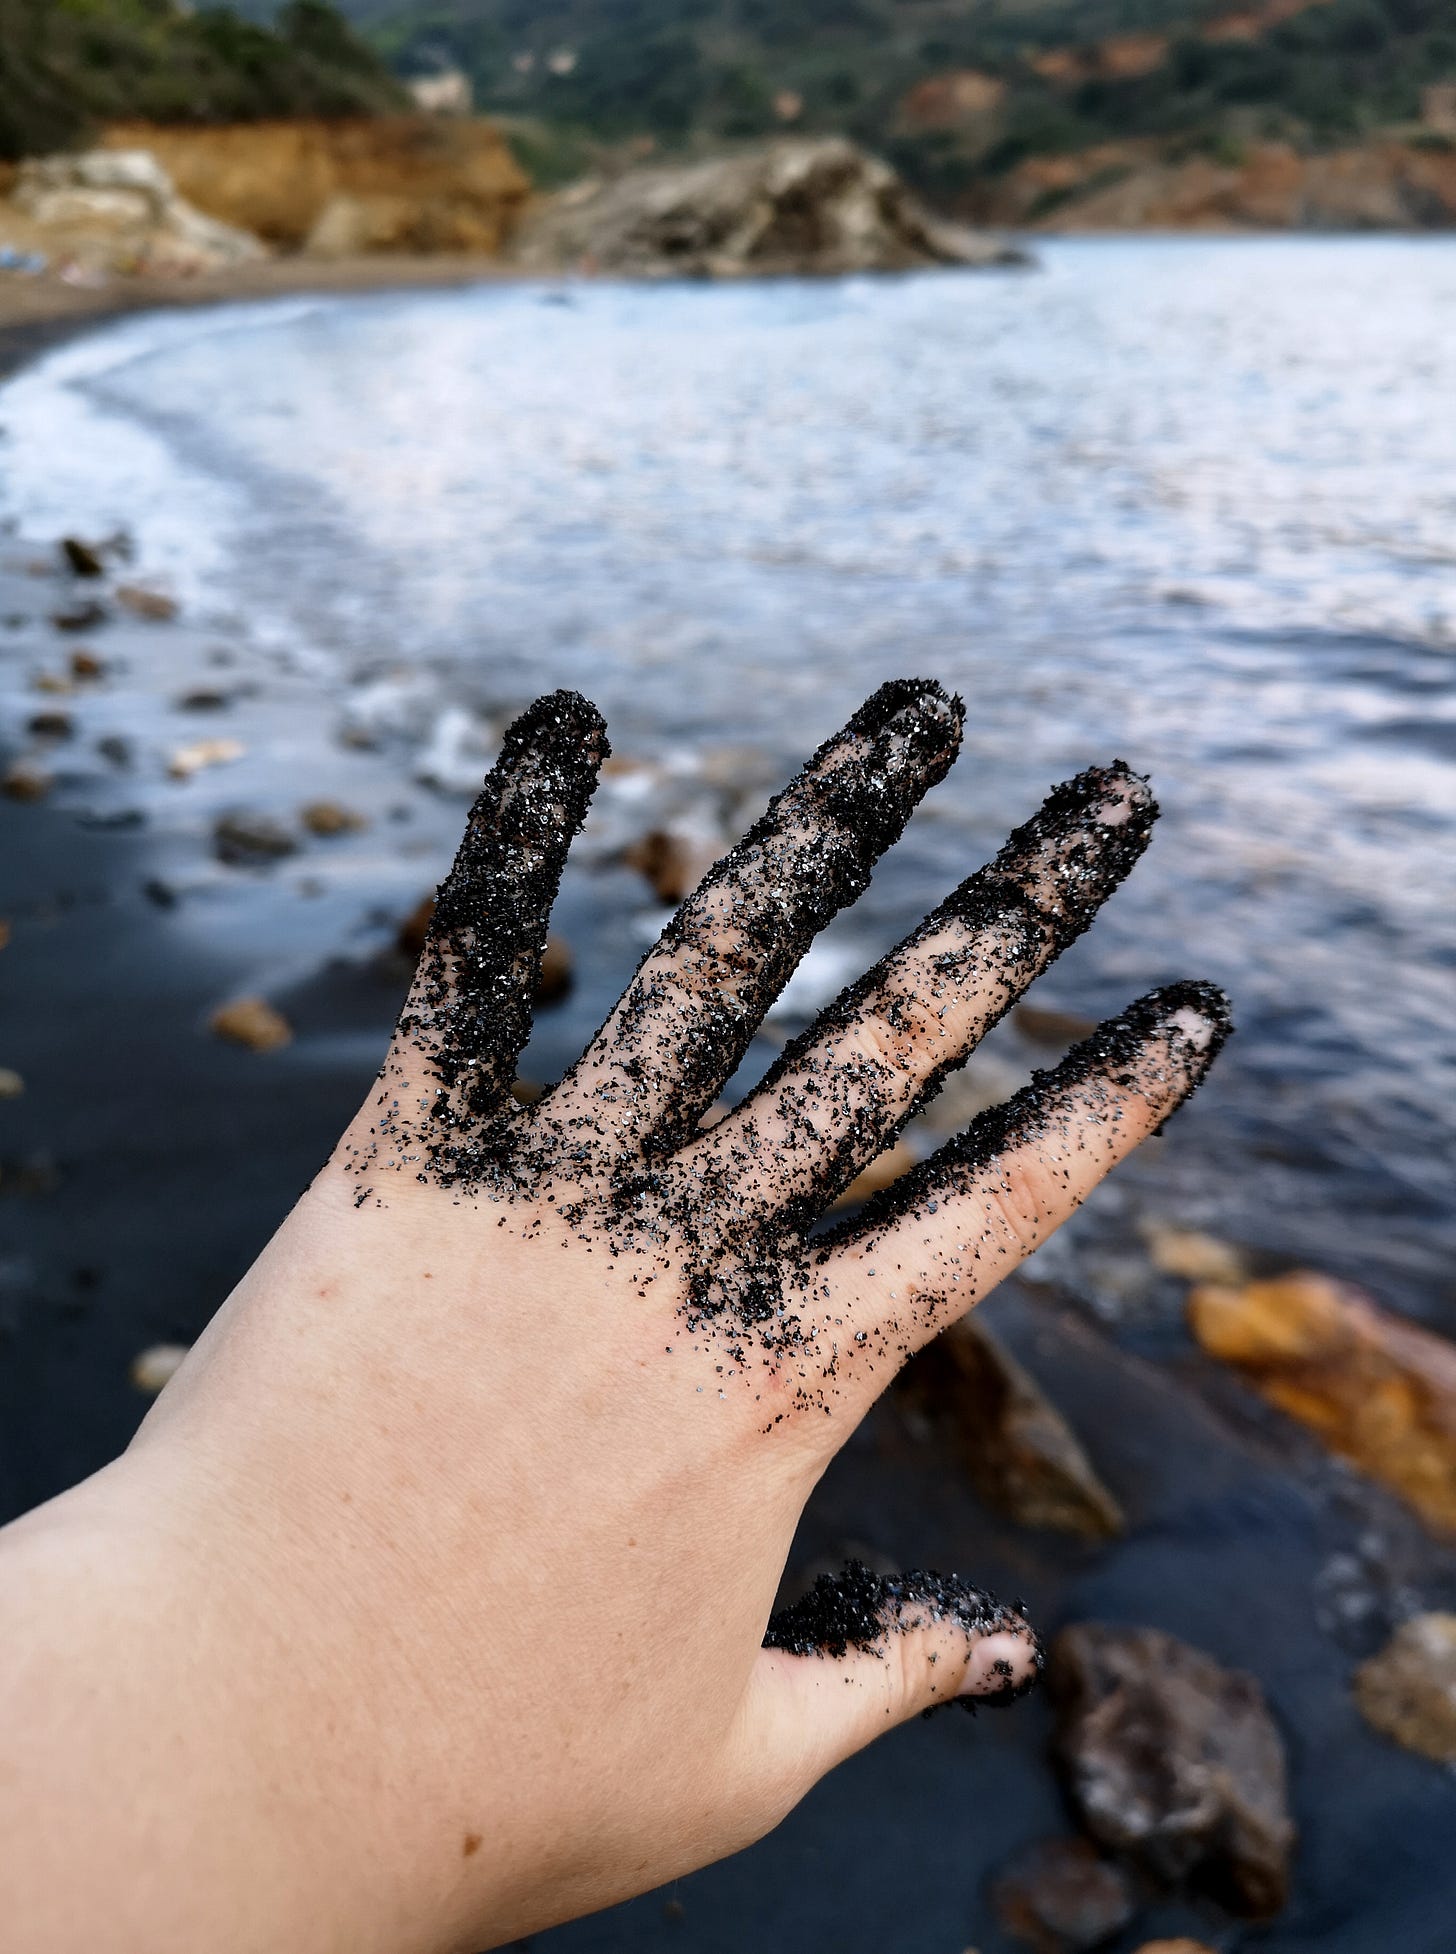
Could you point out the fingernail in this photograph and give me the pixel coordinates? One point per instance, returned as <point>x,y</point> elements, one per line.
<point>1002,1666</point>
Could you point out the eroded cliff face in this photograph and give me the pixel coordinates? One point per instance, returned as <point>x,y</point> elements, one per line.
<point>393,183</point>
<point>1384,184</point>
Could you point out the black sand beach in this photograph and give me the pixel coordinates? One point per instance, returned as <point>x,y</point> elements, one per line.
<point>147,1160</point>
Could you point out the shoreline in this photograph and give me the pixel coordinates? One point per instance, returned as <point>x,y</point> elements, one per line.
<point>39,312</point>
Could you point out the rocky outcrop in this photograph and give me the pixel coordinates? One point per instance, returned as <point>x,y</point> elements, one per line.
<point>1383,184</point>
<point>789,207</point>
<point>386,183</point>
<point>1174,1762</point>
<point>1378,1390</point>
<point>121,209</point>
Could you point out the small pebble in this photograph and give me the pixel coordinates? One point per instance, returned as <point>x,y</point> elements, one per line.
<point>11,1083</point>
<point>253,1023</point>
<point>24,781</point>
<point>188,760</point>
<point>142,601</point>
<point>330,818</point>
<point>153,1368</point>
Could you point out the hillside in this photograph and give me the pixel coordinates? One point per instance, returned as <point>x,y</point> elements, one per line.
<point>67,65</point>
<point>956,92</point>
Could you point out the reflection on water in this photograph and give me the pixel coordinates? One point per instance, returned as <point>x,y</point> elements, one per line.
<point>1189,503</point>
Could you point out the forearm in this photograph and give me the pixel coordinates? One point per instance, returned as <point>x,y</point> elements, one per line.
<point>161,1785</point>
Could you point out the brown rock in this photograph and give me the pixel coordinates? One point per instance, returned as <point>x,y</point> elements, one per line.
<point>253,1023</point>
<point>1180,1946</point>
<point>86,664</point>
<point>244,840</point>
<point>142,601</point>
<point>12,1086</point>
<point>23,780</point>
<point>5,929</point>
<point>555,977</point>
<point>83,616</point>
<point>1378,1390</point>
<point>152,1369</point>
<point>54,683</point>
<point>526,1092</point>
<point>1061,1897</point>
<point>83,559</point>
<point>331,818</point>
<point>1174,1762</point>
<point>51,725</point>
<point>673,864</point>
<point>410,937</point>
<point>1408,1691</point>
<point>1023,1457</point>
<point>880,1173</point>
<point>204,699</point>
<point>1044,1025</point>
<point>1194,1256</point>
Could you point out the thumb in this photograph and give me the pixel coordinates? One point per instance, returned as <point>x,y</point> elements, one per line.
<point>862,1652</point>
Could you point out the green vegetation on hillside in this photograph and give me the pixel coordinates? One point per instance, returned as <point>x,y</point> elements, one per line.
<point>65,64</point>
<point>701,71</point>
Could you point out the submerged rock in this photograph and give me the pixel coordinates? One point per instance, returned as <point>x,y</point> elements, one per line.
<point>253,1023</point>
<point>1408,1691</point>
<point>328,818</point>
<point>51,725</point>
<point>1023,1457</point>
<point>1060,1896</point>
<point>1174,1762</point>
<point>1378,1390</point>
<point>243,840</point>
<point>84,615</point>
<point>789,207</point>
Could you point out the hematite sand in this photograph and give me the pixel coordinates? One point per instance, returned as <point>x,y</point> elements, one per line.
<point>859,1610</point>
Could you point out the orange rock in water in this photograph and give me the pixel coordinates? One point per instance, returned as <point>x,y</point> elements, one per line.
<point>1378,1390</point>
<point>252,1022</point>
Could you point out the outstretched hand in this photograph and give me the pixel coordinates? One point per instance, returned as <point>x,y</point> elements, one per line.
<point>477,1492</point>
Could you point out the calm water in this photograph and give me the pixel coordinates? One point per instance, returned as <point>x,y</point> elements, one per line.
<point>1192,503</point>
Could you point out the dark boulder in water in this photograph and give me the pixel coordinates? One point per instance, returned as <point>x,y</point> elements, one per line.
<point>1174,1762</point>
<point>1060,1896</point>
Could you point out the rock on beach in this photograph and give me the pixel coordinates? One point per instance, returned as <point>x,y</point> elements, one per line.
<point>1174,1762</point>
<point>793,207</point>
<point>1378,1390</point>
<point>1408,1691</point>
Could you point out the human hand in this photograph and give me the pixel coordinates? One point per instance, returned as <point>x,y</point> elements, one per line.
<point>484,1479</point>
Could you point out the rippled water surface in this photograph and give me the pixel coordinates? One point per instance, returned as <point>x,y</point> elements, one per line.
<point>1193,503</point>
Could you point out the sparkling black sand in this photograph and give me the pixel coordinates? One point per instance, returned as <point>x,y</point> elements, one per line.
<point>860,1610</point>
<point>146,1164</point>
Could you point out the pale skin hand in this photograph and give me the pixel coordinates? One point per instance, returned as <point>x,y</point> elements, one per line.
<point>428,1606</point>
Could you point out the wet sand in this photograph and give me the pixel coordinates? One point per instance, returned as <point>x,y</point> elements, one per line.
<point>147,1162</point>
